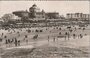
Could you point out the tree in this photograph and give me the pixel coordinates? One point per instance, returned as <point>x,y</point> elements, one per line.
<point>7,17</point>
<point>10,17</point>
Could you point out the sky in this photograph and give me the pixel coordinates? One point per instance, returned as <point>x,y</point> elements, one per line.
<point>63,7</point>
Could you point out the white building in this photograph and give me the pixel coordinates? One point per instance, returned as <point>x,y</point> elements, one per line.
<point>78,16</point>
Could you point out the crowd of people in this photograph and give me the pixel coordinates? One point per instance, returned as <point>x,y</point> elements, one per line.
<point>16,37</point>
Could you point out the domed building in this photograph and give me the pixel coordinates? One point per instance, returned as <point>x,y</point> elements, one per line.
<point>34,8</point>
<point>35,12</point>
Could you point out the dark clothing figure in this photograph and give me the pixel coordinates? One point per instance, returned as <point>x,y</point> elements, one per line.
<point>0,40</point>
<point>6,41</point>
<point>54,39</point>
<point>59,33</point>
<point>9,41</point>
<point>36,30</point>
<point>83,29</point>
<point>46,28</point>
<point>16,42</point>
<point>66,33</point>
<point>74,36</point>
<point>41,31</point>
<point>81,35</point>
<point>26,36</point>
<point>48,38</point>
<point>5,36</point>
<point>71,30</point>
<point>29,31</point>
<point>18,32</point>
<point>2,34</point>
<point>60,29</point>
<point>35,37</point>
<point>56,27</point>
<point>85,34</point>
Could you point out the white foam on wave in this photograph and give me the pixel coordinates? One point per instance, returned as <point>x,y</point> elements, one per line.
<point>27,46</point>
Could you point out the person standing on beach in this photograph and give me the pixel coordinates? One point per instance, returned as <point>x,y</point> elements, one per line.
<point>74,35</point>
<point>68,35</point>
<point>54,39</point>
<point>16,42</point>
<point>48,38</point>
<point>81,35</point>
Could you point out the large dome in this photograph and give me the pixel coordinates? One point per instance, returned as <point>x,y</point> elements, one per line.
<point>34,8</point>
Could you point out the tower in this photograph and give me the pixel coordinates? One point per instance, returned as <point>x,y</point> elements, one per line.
<point>34,8</point>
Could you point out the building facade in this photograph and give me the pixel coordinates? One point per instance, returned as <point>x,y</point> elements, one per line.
<point>52,15</point>
<point>78,16</point>
<point>35,12</point>
<point>21,13</point>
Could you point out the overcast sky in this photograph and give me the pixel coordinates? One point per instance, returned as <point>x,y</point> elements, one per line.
<point>62,7</point>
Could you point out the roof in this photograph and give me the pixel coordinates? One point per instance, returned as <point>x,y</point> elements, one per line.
<point>34,5</point>
<point>39,12</point>
<point>52,13</point>
<point>20,11</point>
